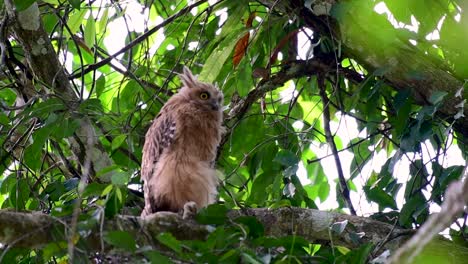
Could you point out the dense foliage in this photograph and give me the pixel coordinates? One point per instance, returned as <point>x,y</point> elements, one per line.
<point>311,122</point>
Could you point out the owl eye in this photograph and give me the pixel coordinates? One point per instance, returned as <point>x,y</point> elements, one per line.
<point>204,95</point>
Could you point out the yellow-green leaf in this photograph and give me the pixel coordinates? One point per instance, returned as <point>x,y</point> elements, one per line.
<point>218,57</point>
<point>102,24</point>
<point>90,32</point>
<point>75,21</point>
<point>52,2</point>
<point>117,141</point>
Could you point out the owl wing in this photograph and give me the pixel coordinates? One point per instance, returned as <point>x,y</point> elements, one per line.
<point>158,138</point>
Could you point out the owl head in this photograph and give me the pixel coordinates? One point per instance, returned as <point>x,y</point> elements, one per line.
<point>205,96</point>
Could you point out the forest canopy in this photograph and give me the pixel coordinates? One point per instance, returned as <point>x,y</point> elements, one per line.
<point>346,122</point>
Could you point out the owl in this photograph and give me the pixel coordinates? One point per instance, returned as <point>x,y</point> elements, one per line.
<point>180,149</point>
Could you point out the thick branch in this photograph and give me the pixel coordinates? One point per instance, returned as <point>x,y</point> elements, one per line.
<point>32,230</point>
<point>374,43</point>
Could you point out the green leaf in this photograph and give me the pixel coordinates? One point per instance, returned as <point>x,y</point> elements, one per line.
<point>33,153</point>
<point>361,156</point>
<point>437,97</point>
<point>102,24</point>
<point>8,95</point>
<point>43,109</point>
<point>121,239</point>
<point>4,120</point>
<point>19,194</point>
<point>323,191</point>
<point>357,256</point>
<point>75,20</point>
<point>128,95</point>
<point>100,85</point>
<point>243,140</point>
<point>400,10</point>
<point>401,98</point>
<point>213,214</point>
<point>232,23</point>
<point>450,174</point>
<point>215,62</point>
<point>6,183</point>
<point>52,249</point>
<point>258,195</point>
<point>75,3</point>
<point>22,5</point>
<point>118,141</point>
<point>244,81</point>
<point>52,2</point>
<point>90,31</point>
<point>156,257</point>
<point>71,184</point>
<point>379,196</point>
<point>120,178</point>
<point>246,258</point>
<point>91,106</point>
<point>114,202</point>
<point>93,189</point>
<point>286,158</point>
<point>418,174</point>
<point>55,190</point>
<point>232,255</point>
<point>62,210</point>
<point>256,228</point>
<point>170,241</point>
<point>410,207</point>
<point>65,127</point>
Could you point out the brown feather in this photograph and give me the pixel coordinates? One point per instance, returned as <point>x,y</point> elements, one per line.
<point>180,148</point>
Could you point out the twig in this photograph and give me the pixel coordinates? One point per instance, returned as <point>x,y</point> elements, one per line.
<point>68,165</point>
<point>328,135</point>
<point>351,145</point>
<point>292,70</point>
<point>19,107</point>
<point>139,39</point>
<point>81,187</point>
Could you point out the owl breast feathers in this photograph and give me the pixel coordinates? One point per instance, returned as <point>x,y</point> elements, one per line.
<point>180,148</point>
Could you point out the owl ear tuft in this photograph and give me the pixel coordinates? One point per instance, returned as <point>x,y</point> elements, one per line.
<point>187,78</point>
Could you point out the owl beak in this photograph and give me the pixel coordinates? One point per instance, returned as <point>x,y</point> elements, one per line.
<point>214,105</point>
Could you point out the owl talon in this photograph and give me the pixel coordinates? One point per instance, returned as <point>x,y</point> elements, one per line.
<point>190,210</point>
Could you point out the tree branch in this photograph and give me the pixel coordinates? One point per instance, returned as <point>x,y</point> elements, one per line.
<point>138,40</point>
<point>34,230</point>
<point>331,142</point>
<point>374,43</point>
<point>292,70</point>
<point>18,228</point>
